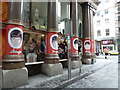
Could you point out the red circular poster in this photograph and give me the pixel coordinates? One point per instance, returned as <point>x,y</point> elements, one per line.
<point>14,36</point>
<point>74,45</point>
<point>87,45</point>
<point>92,46</point>
<point>52,43</point>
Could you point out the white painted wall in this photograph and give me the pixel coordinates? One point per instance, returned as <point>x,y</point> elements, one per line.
<point>105,4</point>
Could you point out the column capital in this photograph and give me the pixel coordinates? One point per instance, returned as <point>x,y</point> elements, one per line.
<point>15,22</point>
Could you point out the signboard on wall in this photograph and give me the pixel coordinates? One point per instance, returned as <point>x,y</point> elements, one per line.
<point>105,42</point>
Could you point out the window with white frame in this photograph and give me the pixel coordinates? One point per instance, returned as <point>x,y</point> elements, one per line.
<point>118,8</point>
<point>106,20</point>
<point>98,22</point>
<point>107,32</point>
<point>98,13</point>
<point>98,33</point>
<point>106,11</point>
<point>119,30</point>
<point>118,18</point>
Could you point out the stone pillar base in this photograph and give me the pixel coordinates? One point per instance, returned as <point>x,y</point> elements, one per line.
<point>52,69</point>
<point>76,64</point>
<point>15,77</point>
<point>0,79</point>
<point>93,61</point>
<point>86,61</point>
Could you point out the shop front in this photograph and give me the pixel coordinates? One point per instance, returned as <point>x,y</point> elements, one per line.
<point>32,42</point>
<point>111,45</point>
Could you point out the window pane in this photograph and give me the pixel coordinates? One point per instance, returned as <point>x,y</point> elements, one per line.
<point>107,32</point>
<point>118,18</point>
<point>118,9</point>
<point>98,22</point>
<point>119,30</point>
<point>106,20</point>
<point>27,13</point>
<point>106,11</point>
<point>98,13</point>
<point>98,33</point>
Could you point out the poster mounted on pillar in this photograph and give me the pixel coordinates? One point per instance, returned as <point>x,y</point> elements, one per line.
<point>2,43</point>
<point>14,36</point>
<point>87,46</point>
<point>74,45</point>
<point>52,43</point>
<point>92,46</point>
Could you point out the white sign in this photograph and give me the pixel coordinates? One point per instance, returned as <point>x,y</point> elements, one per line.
<point>54,41</point>
<point>75,43</point>
<point>15,37</point>
<point>87,44</point>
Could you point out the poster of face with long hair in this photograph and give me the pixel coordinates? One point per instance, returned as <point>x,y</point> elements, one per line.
<point>87,45</point>
<point>54,41</point>
<point>74,45</point>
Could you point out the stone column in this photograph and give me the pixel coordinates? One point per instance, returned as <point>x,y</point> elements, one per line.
<point>51,65</point>
<point>86,58</point>
<point>13,66</point>
<point>75,62</point>
<point>93,57</point>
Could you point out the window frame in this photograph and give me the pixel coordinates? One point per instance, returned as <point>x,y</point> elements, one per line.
<point>98,22</point>
<point>106,11</point>
<point>98,13</point>
<point>98,33</point>
<point>107,32</point>
<point>107,20</point>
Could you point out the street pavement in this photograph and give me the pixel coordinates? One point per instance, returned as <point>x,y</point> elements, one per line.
<point>107,77</point>
<point>102,74</point>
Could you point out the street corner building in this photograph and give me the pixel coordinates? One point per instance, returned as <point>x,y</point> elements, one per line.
<point>39,37</point>
<point>107,34</point>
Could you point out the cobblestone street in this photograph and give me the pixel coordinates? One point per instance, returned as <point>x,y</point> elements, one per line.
<point>107,77</point>
<point>102,74</point>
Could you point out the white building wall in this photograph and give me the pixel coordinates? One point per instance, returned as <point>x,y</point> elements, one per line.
<point>110,5</point>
